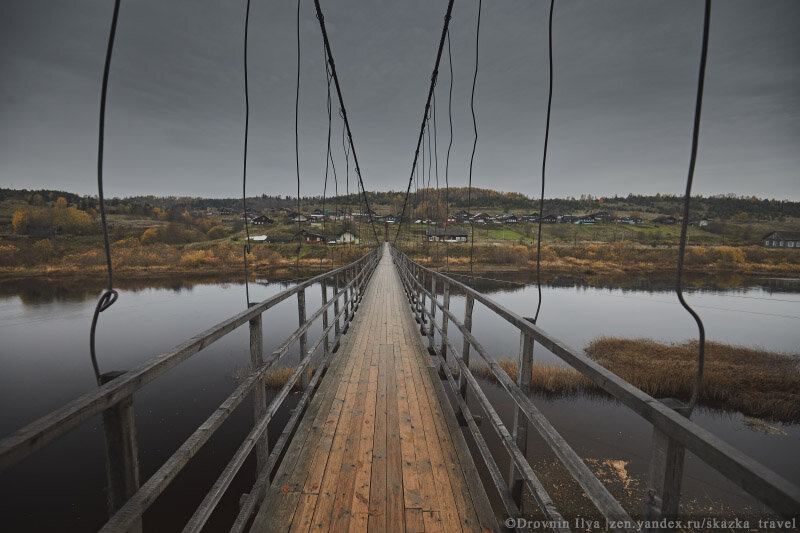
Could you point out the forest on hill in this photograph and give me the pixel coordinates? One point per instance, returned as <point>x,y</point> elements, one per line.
<point>716,207</point>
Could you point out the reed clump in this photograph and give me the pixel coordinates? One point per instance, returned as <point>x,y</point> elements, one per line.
<point>756,382</point>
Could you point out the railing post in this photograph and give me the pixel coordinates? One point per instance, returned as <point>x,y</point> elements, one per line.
<point>259,394</point>
<point>666,472</point>
<point>326,347</point>
<point>346,300</point>
<point>422,320</point>
<point>520,431</point>
<point>446,304</point>
<point>431,329</point>
<point>122,459</point>
<point>301,315</point>
<point>336,324</point>
<point>462,379</point>
<point>352,273</point>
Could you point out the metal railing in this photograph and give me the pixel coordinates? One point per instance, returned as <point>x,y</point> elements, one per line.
<point>673,433</point>
<point>114,399</point>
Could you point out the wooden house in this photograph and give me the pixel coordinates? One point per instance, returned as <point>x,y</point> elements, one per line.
<point>782,239</point>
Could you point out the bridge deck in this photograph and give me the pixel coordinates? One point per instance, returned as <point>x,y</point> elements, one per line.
<point>379,448</point>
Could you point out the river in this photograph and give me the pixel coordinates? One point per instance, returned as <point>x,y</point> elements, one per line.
<point>44,327</point>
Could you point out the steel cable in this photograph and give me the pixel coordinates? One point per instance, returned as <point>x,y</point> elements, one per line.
<point>246,249</point>
<point>544,162</point>
<point>475,139</point>
<point>434,76</point>
<point>325,40</point>
<point>686,204</point>
<point>110,295</point>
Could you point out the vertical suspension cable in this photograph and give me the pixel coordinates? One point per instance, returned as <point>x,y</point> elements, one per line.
<point>110,295</point>
<point>475,140</point>
<point>686,203</point>
<point>437,213</point>
<point>544,163</point>
<point>328,155</point>
<point>297,143</point>
<point>449,147</point>
<point>246,248</point>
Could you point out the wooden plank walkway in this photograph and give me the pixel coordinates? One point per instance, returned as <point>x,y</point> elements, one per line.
<point>379,448</point>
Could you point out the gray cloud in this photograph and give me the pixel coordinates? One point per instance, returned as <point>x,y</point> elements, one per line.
<point>625,75</point>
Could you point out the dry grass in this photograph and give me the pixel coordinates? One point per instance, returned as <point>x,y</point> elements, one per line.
<point>274,378</point>
<point>756,382</point>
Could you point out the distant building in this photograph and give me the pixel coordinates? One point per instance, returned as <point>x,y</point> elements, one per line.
<point>347,237</point>
<point>699,222</point>
<point>782,239</point>
<point>665,220</point>
<point>278,239</point>
<point>446,235</point>
<point>549,219</point>
<point>261,220</point>
<point>297,217</point>
<point>314,238</point>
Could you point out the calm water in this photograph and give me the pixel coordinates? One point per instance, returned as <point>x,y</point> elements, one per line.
<point>44,357</point>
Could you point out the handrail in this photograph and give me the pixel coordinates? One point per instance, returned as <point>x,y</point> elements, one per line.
<point>134,500</point>
<point>48,428</point>
<point>759,481</point>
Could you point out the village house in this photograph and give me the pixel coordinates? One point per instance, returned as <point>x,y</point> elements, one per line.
<point>261,220</point>
<point>531,217</point>
<point>446,235</point>
<point>297,217</point>
<point>665,220</point>
<point>277,239</point>
<point>314,238</point>
<point>549,219</point>
<point>347,237</point>
<point>461,216</point>
<point>482,218</point>
<point>782,239</point>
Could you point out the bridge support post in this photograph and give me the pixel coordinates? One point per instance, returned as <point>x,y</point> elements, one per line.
<point>122,460</point>
<point>346,301</point>
<point>259,392</point>
<point>301,315</point>
<point>446,303</point>
<point>421,293</point>
<point>520,428</point>
<point>336,323</point>
<point>666,471</point>
<point>431,329</point>
<point>326,347</point>
<point>462,379</point>
<point>351,272</point>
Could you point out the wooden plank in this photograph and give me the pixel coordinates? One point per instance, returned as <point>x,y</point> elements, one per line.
<point>360,503</point>
<point>395,514</point>
<point>414,522</point>
<point>292,475</point>
<point>338,471</point>
<point>377,486</point>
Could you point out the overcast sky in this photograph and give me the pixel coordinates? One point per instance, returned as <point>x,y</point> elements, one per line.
<point>625,80</point>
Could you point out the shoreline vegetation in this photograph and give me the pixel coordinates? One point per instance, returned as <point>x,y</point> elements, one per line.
<point>133,259</point>
<point>760,384</point>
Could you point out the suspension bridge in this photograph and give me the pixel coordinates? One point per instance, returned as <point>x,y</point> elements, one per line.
<point>383,436</point>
